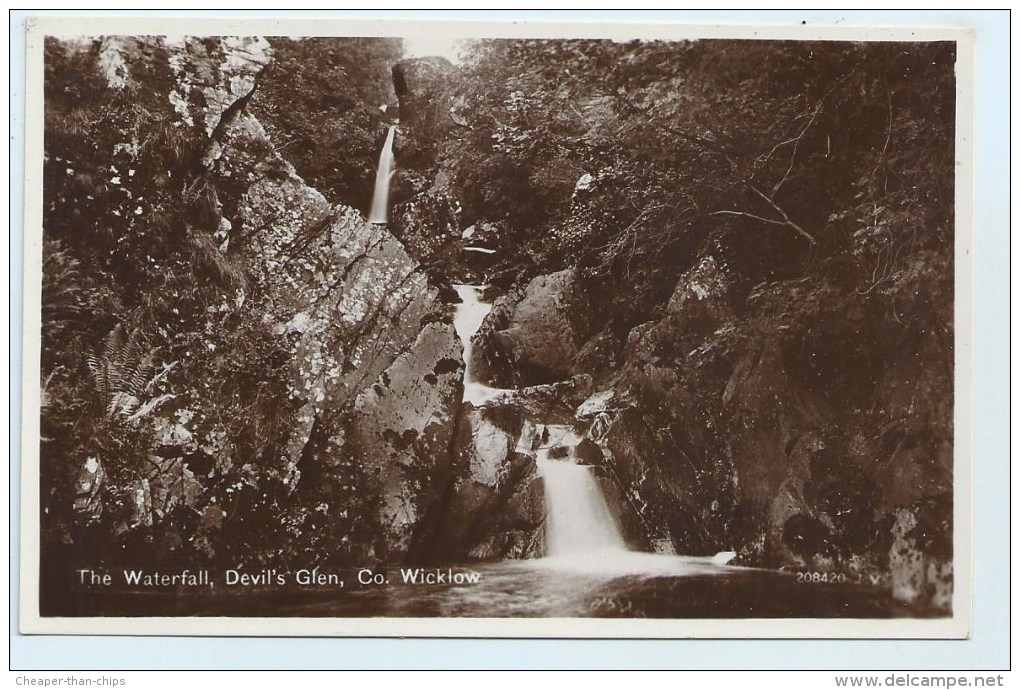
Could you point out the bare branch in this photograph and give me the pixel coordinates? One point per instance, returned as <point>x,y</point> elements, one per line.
<point>796,145</point>
<point>888,134</point>
<point>696,140</point>
<point>748,215</point>
<point>810,238</point>
<point>715,148</point>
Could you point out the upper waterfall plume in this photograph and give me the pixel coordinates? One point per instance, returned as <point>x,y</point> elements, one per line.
<point>381,195</point>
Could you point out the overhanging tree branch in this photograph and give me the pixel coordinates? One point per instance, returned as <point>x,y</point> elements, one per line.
<point>711,146</point>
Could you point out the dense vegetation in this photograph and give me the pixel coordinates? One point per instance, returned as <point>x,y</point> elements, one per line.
<point>320,102</point>
<point>626,157</point>
<point>166,395</point>
<point>757,239</point>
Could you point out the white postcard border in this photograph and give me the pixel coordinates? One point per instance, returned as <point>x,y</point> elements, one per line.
<point>958,626</point>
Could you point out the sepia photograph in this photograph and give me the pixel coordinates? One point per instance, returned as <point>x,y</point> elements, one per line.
<point>496,330</point>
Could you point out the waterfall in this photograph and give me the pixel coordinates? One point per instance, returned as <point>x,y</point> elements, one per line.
<point>581,532</point>
<point>467,319</point>
<point>578,519</point>
<point>381,195</point>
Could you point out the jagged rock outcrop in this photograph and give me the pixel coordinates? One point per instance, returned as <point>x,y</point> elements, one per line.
<point>342,437</point>
<point>377,373</point>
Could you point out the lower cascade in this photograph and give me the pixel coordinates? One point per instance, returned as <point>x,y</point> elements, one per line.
<point>581,533</point>
<point>578,520</point>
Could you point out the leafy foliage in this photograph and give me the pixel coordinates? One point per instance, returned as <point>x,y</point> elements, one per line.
<point>130,269</point>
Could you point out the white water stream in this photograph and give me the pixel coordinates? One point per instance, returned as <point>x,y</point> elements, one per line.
<point>467,319</point>
<point>578,519</point>
<point>381,195</point>
<point>581,531</point>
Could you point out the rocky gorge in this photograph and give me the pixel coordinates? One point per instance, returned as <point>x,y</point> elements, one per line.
<point>240,369</point>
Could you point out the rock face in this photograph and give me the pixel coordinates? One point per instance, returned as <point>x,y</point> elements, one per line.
<point>376,373</point>
<point>402,430</point>
<point>495,507</point>
<point>532,336</point>
<point>424,88</point>
<point>724,429</point>
<point>346,452</point>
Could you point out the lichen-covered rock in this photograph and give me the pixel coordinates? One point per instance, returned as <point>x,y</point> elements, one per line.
<point>209,75</point>
<point>375,374</point>
<point>309,376</point>
<point>427,226</point>
<point>401,433</point>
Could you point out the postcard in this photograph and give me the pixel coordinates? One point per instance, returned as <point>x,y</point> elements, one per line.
<point>482,329</point>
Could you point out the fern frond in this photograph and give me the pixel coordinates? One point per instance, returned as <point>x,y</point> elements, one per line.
<point>142,373</point>
<point>124,371</point>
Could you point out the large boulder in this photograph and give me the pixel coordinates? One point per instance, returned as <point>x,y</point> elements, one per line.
<point>401,433</point>
<point>533,335</point>
<point>495,508</point>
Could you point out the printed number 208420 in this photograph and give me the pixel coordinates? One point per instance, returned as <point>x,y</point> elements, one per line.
<point>815,577</point>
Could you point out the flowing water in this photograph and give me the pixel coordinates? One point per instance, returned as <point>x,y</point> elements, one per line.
<point>467,319</point>
<point>381,195</point>
<point>579,522</point>
<point>588,570</point>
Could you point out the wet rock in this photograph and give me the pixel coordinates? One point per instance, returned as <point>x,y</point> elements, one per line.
<point>532,336</point>
<point>632,526</point>
<point>551,403</point>
<point>495,508</point>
